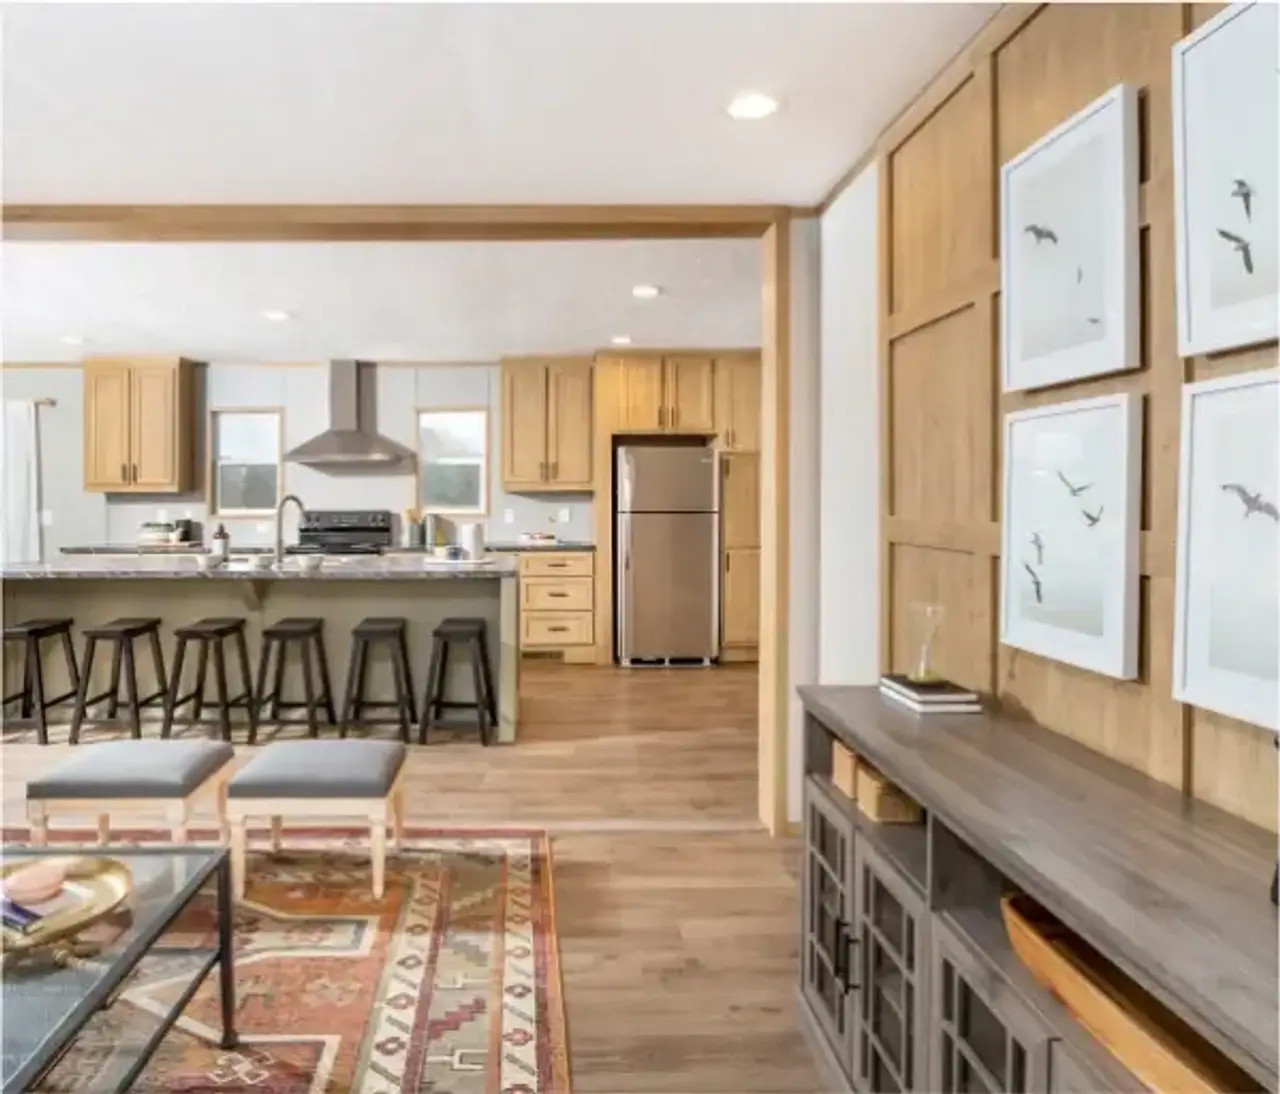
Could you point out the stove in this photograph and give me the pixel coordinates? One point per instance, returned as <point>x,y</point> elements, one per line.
<point>343,532</point>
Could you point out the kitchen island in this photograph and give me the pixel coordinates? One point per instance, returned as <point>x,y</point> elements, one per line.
<point>94,589</point>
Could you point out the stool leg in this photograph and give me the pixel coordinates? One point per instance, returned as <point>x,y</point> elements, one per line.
<point>477,684</point>
<point>174,691</point>
<point>404,694</point>
<point>113,701</point>
<point>220,685</point>
<point>260,689</point>
<point>131,691</point>
<point>326,684</point>
<point>246,679</point>
<point>157,659</point>
<point>402,651</point>
<point>486,670</point>
<point>349,690</point>
<point>362,676</point>
<point>202,672</point>
<point>69,655</point>
<point>24,709</point>
<point>428,694</point>
<point>441,690</point>
<point>37,691</point>
<point>309,690</point>
<point>277,683</point>
<point>82,693</point>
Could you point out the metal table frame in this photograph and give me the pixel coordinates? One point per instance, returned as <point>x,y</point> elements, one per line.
<point>31,1071</point>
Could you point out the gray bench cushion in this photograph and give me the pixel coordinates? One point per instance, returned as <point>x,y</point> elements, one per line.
<point>132,769</point>
<point>320,769</point>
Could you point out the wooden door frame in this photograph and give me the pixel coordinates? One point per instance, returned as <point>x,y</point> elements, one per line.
<point>526,223</point>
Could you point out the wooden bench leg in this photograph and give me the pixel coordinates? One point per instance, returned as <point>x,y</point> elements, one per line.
<point>224,826</point>
<point>277,834</point>
<point>104,829</point>
<point>397,819</point>
<point>178,822</point>
<point>239,855</point>
<point>38,818</point>
<point>378,845</point>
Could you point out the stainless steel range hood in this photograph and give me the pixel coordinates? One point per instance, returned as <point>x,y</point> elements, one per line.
<point>352,437</point>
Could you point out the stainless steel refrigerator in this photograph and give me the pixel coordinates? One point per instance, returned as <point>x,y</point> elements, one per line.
<point>666,547</point>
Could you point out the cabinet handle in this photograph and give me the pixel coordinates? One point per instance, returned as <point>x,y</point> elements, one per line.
<point>135,472</point>
<point>662,416</point>
<point>675,415</point>
<point>555,469</point>
<point>557,630</point>
<point>728,560</point>
<point>557,596</point>
<point>556,565</point>
<point>124,472</point>
<point>845,959</point>
<point>542,471</point>
<point>731,438</point>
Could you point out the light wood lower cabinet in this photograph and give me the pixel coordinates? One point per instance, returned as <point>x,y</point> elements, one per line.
<point>740,599</point>
<point>557,603</point>
<point>739,556</point>
<point>139,426</point>
<point>547,422</point>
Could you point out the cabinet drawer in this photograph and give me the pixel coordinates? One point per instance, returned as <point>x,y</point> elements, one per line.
<point>555,564</point>
<point>557,594</point>
<point>557,629</point>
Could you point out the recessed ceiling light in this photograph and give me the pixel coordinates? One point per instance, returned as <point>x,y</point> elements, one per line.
<point>275,315</point>
<point>72,340</point>
<point>751,106</point>
<point>646,292</point>
<point>621,339</point>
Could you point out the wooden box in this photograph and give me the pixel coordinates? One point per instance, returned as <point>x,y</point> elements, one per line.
<point>881,801</point>
<point>844,770</point>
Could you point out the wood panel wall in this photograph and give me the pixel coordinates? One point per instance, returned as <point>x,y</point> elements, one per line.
<point>1029,70</point>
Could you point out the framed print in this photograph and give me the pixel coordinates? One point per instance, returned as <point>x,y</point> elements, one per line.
<point>1226,636</point>
<point>1069,274</point>
<point>1226,143</point>
<point>1069,552</point>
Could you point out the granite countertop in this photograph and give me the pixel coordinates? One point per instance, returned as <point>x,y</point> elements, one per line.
<point>180,549</point>
<point>170,567</point>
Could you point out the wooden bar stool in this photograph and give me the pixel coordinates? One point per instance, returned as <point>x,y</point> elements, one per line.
<point>34,703</point>
<point>211,634</point>
<point>121,633</point>
<point>367,634</point>
<point>472,632</point>
<point>307,633</point>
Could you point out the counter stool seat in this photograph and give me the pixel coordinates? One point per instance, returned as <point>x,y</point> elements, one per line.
<point>121,633</point>
<point>33,703</point>
<point>324,780</point>
<point>211,635</point>
<point>133,776</point>
<point>307,633</point>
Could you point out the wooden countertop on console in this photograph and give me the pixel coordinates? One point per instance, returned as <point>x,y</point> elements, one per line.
<point>1173,891</point>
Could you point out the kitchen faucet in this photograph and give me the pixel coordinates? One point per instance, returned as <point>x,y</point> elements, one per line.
<point>279,560</point>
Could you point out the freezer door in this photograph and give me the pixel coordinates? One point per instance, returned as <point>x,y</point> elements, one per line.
<point>666,479</point>
<point>667,586</point>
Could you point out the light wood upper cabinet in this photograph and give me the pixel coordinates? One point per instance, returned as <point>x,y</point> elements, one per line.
<point>737,403</point>
<point>643,407</point>
<point>139,426</point>
<point>690,394</point>
<point>740,598</point>
<point>739,500</point>
<point>547,420</point>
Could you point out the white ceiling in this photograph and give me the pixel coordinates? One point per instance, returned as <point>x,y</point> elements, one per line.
<point>383,301</point>
<point>434,103</point>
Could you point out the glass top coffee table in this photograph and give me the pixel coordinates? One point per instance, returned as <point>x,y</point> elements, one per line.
<point>47,1008</point>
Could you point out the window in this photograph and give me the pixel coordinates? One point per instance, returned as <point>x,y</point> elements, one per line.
<point>453,461</point>
<point>246,470</point>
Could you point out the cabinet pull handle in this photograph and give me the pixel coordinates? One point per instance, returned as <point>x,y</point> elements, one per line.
<point>557,630</point>
<point>542,471</point>
<point>555,469</point>
<point>728,560</point>
<point>557,596</point>
<point>662,416</point>
<point>556,565</point>
<point>124,472</point>
<point>732,435</point>
<point>675,415</point>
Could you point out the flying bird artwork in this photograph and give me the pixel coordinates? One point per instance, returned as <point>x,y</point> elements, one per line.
<point>1036,587</point>
<point>1242,190</point>
<point>1038,544</point>
<point>1243,246</point>
<point>1253,503</point>
<point>1091,519</point>
<point>1041,234</point>
<point>1076,491</point>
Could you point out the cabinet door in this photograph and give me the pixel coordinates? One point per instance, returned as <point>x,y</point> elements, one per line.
<point>640,389</point>
<point>107,455</point>
<point>740,598</point>
<point>737,403</point>
<point>524,426</point>
<point>739,500</point>
<point>890,1024</point>
<point>153,427</point>
<point>690,394</point>
<point>826,902</point>
<point>985,1040</point>
<point>570,424</point>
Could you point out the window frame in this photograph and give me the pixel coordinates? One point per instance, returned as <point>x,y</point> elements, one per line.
<point>486,460</point>
<point>212,461</point>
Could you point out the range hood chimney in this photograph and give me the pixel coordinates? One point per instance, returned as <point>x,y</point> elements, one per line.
<point>352,438</point>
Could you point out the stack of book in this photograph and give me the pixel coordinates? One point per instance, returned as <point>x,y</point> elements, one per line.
<point>930,697</point>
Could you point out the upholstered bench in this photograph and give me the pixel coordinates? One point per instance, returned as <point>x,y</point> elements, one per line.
<point>131,777</point>
<point>319,780</point>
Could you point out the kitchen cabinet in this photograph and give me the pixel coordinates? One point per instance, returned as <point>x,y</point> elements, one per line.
<point>547,416</point>
<point>739,500</point>
<point>740,601</point>
<point>666,395</point>
<point>737,403</point>
<point>557,604</point>
<point>139,426</point>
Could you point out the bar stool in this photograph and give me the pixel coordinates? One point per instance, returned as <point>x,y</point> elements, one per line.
<point>434,704</point>
<point>35,704</point>
<point>121,633</point>
<point>211,634</point>
<point>369,632</point>
<point>307,633</point>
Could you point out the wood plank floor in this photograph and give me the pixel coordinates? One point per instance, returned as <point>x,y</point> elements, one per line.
<point>677,914</point>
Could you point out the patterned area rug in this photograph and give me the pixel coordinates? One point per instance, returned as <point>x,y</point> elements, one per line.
<point>450,984</point>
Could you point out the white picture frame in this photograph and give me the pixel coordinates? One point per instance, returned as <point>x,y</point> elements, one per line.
<point>1226,120</point>
<point>1072,511</point>
<point>1228,660</point>
<point>1069,249</point>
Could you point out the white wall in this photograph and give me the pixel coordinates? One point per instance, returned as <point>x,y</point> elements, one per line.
<point>804,492</point>
<point>849,563</point>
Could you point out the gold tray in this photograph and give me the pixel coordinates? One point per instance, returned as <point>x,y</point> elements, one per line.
<point>101,884</point>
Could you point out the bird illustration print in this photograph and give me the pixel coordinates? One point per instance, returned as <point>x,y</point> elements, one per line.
<point>1041,234</point>
<point>1036,587</point>
<point>1038,544</point>
<point>1076,491</point>
<point>1091,519</point>
<point>1240,245</point>
<point>1253,503</point>
<point>1242,190</point>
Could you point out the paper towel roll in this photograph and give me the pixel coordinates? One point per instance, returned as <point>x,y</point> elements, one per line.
<point>471,538</point>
